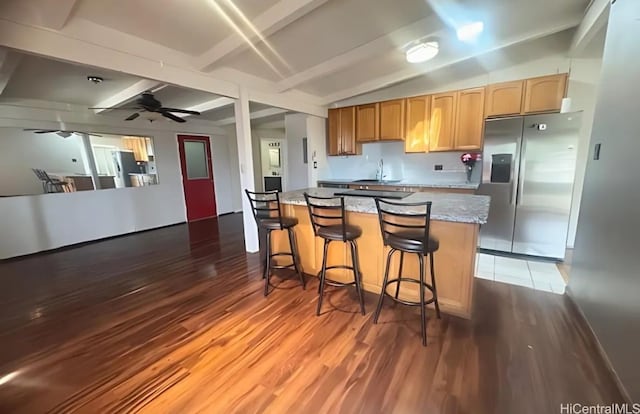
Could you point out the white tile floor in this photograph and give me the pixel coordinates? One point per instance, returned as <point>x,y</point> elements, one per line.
<point>537,275</point>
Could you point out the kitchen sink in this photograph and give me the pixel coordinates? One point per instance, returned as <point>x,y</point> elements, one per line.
<point>372,181</point>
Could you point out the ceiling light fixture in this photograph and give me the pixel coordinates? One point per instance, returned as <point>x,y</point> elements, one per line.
<point>94,79</point>
<point>422,52</point>
<point>470,32</point>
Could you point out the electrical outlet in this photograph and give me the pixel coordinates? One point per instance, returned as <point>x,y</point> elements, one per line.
<point>437,167</point>
<point>315,164</point>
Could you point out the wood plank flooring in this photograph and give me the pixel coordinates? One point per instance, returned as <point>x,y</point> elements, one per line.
<point>174,321</point>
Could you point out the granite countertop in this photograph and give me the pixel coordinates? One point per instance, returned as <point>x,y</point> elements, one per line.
<point>460,208</point>
<point>403,183</point>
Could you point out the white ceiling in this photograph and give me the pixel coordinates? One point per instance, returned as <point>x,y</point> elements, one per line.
<point>191,26</point>
<point>323,51</point>
<point>50,80</point>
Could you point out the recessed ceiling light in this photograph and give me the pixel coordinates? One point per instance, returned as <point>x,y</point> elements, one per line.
<point>469,32</point>
<point>94,79</point>
<point>422,52</point>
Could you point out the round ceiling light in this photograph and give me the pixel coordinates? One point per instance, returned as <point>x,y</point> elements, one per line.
<point>422,52</point>
<point>94,79</point>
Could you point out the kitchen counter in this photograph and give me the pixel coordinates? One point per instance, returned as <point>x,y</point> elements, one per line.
<point>459,208</point>
<point>456,220</point>
<point>403,183</point>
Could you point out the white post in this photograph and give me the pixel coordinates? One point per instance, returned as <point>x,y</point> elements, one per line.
<point>88,151</point>
<point>245,158</point>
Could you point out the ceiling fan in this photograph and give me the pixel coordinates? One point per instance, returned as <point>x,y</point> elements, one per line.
<point>147,103</point>
<point>63,133</point>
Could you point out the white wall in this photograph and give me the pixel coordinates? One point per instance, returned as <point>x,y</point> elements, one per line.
<point>297,170</point>
<point>585,76</point>
<point>411,168</point>
<point>316,148</point>
<point>29,224</point>
<point>20,151</point>
<point>236,193</point>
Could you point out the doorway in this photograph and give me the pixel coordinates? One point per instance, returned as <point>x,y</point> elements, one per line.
<point>273,157</point>
<point>197,176</point>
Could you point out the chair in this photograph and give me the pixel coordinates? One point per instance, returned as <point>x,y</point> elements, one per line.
<point>50,185</point>
<point>405,228</point>
<point>328,219</point>
<point>266,211</point>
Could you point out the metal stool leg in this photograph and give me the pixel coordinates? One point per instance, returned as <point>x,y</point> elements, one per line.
<point>384,287</point>
<point>399,273</point>
<point>268,265</point>
<point>265,261</point>
<point>356,273</point>
<point>294,255</point>
<point>433,285</point>
<point>323,274</point>
<point>423,316</point>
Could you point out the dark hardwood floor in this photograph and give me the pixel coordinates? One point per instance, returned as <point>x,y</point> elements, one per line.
<point>174,321</point>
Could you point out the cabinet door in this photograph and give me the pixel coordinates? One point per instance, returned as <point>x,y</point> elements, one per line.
<point>392,119</point>
<point>469,119</point>
<point>417,125</point>
<point>442,124</point>
<point>504,99</point>
<point>367,122</point>
<point>348,130</point>
<point>334,146</point>
<point>544,94</point>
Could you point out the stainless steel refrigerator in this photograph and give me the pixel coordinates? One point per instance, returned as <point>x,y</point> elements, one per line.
<point>528,169</point>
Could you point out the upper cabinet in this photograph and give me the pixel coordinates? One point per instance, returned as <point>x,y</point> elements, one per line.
<point>392,114</point>
<point>442,124</point>
<point>503,99</point>
<point>368,122</point>
<point>544,94</point>
<point>469,119</point>
<point>417,124</point>
<point>342,132</point>
<point>450,121</point>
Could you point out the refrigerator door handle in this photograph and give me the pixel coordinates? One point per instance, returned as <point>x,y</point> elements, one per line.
<point>515,173</point>
<point>521,167</point>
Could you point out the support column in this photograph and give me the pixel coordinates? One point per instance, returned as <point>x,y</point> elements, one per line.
<point>88,152</point>
<point>245,160</point>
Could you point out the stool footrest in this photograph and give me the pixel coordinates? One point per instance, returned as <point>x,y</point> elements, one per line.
<point>409,280</point>
<point>335,282</point>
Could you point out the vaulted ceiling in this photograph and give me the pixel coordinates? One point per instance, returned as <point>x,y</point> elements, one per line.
<point>295,54</point>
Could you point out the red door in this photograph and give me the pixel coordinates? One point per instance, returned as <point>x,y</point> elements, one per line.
<point>197,176</point>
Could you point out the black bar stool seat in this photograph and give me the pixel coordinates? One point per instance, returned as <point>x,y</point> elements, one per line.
<point>328,220</point>
<point>268,216</point>
<point>334,232</point>
<point>405,228</point>
<point>274,223</point>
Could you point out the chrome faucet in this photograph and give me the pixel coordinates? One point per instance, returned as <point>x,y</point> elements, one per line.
<point>380,172</point>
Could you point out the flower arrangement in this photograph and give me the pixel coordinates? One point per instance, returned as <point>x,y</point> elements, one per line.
<point>469,160</point>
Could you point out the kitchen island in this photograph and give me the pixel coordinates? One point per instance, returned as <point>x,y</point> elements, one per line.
<point>455,221</point>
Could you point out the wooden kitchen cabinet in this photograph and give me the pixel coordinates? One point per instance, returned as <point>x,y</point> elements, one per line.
<point>504,99</point>
<point>544,94</point>
<point>442,121</point>
<point>368,122</point>
<point>469,119</point>
<point>392,114</point>
<point>417,124</point>
<point>342,132</point>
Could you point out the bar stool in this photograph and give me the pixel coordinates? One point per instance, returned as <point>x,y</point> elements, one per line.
<point>266,211</point>
<point>328,219</point>
<point>405,228</point>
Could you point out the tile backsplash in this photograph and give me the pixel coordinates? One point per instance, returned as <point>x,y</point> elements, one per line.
<point>414,168</point>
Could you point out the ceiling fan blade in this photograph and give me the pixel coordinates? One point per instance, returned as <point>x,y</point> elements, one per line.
<point>172,116</point>
<point>46,131</point>
<point>180,111</point>
<point>132,116</point>
<point>86,133</point>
